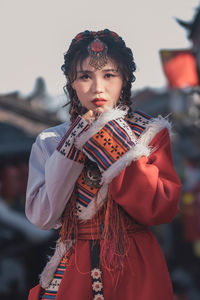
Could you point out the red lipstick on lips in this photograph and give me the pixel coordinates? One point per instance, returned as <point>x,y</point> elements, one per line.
<point>99,101</point>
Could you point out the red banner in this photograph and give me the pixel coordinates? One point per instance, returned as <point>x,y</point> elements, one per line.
<point>179,67</point>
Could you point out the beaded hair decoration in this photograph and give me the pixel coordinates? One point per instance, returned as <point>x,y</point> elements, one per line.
<point>97,49</point>
<point>98,54</point>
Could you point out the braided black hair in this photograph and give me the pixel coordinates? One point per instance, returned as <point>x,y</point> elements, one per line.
<point>78,52</point>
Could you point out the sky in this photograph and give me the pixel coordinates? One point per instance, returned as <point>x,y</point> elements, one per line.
<point>34,35</point>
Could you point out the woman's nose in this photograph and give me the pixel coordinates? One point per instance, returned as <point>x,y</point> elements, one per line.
<point>97,86</point>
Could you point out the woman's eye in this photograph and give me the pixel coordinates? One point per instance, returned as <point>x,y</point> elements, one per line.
<point>85,76</point>
<point>109,75</point>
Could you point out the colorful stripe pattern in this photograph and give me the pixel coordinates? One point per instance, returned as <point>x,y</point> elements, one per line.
<point>86,190</point>
<point>66,146</point>
<point>109,144</point>
<point>138,122</point>
<point>51,291</point>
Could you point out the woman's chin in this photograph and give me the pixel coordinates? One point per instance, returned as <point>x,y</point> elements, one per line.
<point>99,109</point>
<point>102,109</point>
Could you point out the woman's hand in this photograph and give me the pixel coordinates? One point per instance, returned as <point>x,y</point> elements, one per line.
<point>91,115</point>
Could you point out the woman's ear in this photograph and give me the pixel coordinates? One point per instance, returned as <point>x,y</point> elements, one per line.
<point>125,83</point>
<point>72,85</point>
<point>125,80</point>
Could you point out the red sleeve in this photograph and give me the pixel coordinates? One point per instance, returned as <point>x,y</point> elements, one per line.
<point>149,188</point>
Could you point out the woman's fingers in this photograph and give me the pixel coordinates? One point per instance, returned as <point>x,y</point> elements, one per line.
<point>89,116</point>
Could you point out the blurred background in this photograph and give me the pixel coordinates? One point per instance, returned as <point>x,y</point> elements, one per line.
<point>165,39</point>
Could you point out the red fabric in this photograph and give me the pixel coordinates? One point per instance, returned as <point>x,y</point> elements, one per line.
<point>35,293</point>
<point>91,230</point>
<point>145,274</point>
<point>149,188</point>
<point>149,191</point>
<point>179,68</point>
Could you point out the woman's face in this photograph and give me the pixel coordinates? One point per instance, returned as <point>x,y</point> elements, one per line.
<point>98,90</point>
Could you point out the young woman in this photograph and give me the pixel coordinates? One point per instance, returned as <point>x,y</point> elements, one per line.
<point>103,179</point>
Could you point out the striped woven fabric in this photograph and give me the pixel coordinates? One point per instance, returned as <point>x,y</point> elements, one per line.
<point>104,148</point>
<point>87,186</point>
<point>67,134</point>
<point>84,194</point>
<point>109,144</point>
<point>138,122</point>
<point>66,146</point>
<point>51,291</point>
<point>76,155</point>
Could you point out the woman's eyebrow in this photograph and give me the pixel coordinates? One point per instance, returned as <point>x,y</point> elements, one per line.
<point>104,70</point>
<point>110,70</point>
<point>84,71</point>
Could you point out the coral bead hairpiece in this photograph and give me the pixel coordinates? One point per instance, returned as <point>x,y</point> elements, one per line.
<point>98,54</point>
<point>102,33</point>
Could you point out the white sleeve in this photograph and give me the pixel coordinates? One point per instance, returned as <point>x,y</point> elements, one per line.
<point>50,185</point>
<point>52,177</point>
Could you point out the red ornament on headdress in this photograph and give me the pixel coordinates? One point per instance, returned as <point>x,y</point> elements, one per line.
<point>98,53</point>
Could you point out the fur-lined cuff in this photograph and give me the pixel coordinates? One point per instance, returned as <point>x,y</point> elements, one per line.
<point>112,114</point>
<point>135,153</point>
<point>141,148</point>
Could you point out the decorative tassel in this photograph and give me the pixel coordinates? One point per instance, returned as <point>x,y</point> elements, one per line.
<point>115,245</point>
<point>69,229</point>
<point>114,232</point>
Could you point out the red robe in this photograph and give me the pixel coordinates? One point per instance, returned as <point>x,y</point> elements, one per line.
<point>149,191</point>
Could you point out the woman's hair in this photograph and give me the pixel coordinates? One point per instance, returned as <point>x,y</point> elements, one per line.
<point>78,52</point>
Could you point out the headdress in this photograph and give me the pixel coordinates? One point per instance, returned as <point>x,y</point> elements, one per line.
<point>95,34</point>
<point>97,49</point>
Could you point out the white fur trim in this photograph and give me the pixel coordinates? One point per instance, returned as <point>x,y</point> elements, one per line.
<point>112,114</point>
<point>140,149</point>
<point>156,125</point>
<point>133,154</point>
<point>48,273</point>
